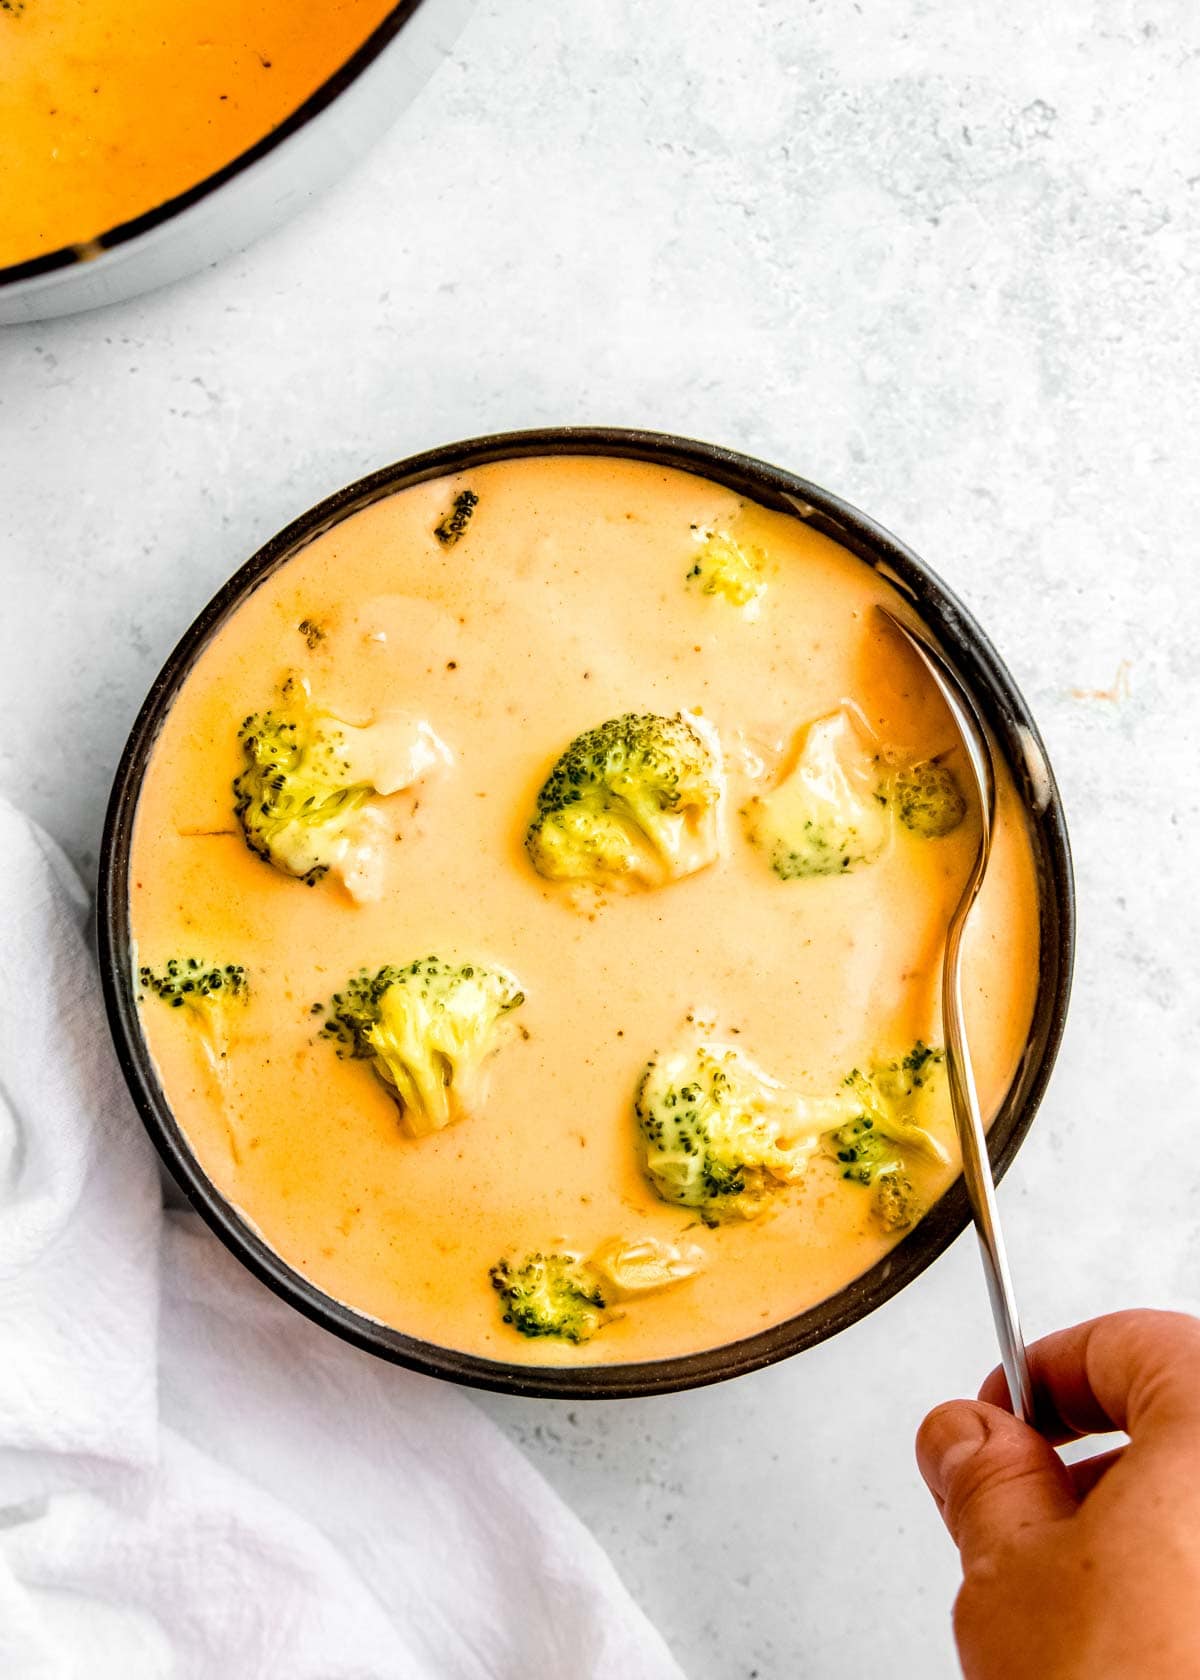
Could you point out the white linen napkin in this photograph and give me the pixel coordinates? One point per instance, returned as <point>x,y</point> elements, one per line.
<point>194,1481</point>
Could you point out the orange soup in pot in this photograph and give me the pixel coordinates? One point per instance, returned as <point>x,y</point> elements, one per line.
<point>108,111</point>
<point>539,888</point>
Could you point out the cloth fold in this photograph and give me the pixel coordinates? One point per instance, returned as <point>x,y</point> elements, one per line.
<point>196,1482</point>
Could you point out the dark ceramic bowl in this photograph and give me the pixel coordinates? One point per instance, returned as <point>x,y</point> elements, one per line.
<point>1014,730</point>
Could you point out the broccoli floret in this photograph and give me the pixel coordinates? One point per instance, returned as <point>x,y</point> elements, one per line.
<point>428,1030</point>
<point>721,1136</point>
<point>861,1149</point>
<point>207,993</point>
<point>915,1070</point>
<point>562,1295</point>
<point>875,1147</point>
<point>188,983</point>
<point>552,1295</point>
<point>294,800</point>
<point>312,632</point>
<point>929,800</point>
<point>828,816</point>
<point>895,1202</point>
<point>718,1134</point>
<point>305,798</point>
<point>890,1093</point>
<point>723,567</point>
<point>635,801</point>
<point>643,1266</point>
<point>454,523</point>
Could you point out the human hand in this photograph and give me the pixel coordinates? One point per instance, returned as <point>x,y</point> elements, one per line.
<point>1089,1571</point>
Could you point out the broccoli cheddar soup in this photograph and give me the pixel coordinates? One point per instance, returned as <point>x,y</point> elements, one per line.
<point>539,887</point>
<point>107,112</point>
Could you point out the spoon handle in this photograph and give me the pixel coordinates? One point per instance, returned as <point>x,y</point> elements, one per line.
<point>964,1098</point>
<point>981,1193</point>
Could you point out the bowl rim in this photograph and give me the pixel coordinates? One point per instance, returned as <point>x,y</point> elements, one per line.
<point>334,85</point>
<point>1012,724</point>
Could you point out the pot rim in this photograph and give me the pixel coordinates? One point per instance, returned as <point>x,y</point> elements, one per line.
<point>334,85</point>
<point>1008,716</point>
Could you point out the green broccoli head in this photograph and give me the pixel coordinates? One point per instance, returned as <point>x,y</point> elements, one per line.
<point>876,1146</point>
<point>306,798</point>
<point>189,983</point>
<point>634,802</point>
<point>207,994</point>
<point>552,1295</point>
<point>293,799</point>
<point>717,1134</point>
<point>453,525</point>
<point>929,800</point>
<point>861,1150</point>
<point>723,567</point>
<point>828,816</point>
<point>564,1296</point>
<point>895,1202</point>
<point>893,1094</point>
<point>428,1030</point>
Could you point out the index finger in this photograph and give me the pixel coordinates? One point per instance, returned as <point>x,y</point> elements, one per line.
<point>1138,1371</point>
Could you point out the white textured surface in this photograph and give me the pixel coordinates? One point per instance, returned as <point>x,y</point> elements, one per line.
<point>943,259</point>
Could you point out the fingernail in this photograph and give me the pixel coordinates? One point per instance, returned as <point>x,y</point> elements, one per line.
<point>948,1437</point>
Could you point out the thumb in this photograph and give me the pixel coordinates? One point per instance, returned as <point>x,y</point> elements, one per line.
<point>991,1476</point>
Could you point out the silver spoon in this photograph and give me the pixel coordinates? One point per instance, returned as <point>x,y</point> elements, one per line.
<point>964,1098</point>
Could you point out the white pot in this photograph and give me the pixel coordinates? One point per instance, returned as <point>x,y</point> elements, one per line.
<point>257,191</point>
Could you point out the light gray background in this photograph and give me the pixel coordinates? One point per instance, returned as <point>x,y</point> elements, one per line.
<point>939,256</point>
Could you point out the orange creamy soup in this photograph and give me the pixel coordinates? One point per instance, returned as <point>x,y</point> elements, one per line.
<point>107,112</point>
<point>761,922</point>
